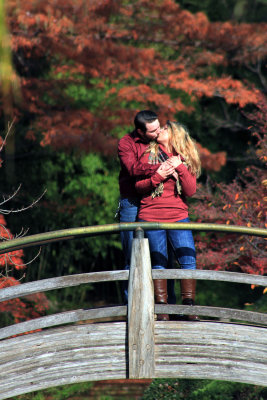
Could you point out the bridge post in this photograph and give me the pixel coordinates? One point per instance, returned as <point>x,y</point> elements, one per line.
<point>141,311</point>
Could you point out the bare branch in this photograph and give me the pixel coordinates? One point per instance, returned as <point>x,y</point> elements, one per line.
<point>9,129</point>
<point>5,200</point>
<point>257,70</point>
<point>262,252</point>
<point>22,233</point>
<point>10,257</point>
<point>6,212</point>
<point>7,232</point>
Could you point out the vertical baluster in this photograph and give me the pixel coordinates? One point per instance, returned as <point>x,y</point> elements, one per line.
<point>141,310</point>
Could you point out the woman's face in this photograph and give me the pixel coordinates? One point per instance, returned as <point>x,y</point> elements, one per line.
<point>163,137</point>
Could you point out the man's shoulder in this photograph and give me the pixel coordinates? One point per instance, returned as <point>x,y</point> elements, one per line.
<point>128,139</point>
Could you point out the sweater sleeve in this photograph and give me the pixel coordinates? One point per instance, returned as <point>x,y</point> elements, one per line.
<point>187,180</point>
<point>145,186</point>
<point>128,156</point>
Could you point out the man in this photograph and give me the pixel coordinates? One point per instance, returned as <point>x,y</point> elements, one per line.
<point>130,149</point>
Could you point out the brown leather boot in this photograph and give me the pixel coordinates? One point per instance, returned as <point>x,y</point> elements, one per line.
<point>161,296</point>
<point>188,291</point>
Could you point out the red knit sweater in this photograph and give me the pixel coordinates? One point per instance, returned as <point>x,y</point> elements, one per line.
<point>169,207</point>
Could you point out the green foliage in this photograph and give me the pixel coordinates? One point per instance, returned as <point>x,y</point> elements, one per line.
<point>218,390</point>
<point>81,190</point>
<point>170,389</point>
<point>85,97</point>
<point>58,393</point>
<point>179,389</point>
<point>223,10</point>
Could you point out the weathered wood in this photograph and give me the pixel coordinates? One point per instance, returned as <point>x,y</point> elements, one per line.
<point>62,355</point>
<point>225,313</point>
<point>141,312</point>
<point>78,353</point>
<point>108,276</point>
<point>44,285</point>
<point>208,275</point>
<point>61,319</point>
<point>211,350</point>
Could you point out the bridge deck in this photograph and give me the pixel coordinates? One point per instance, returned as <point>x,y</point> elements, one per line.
<point>88,352</point>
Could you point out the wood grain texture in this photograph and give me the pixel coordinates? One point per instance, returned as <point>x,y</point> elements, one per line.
<point>61,319</point>
<point>210,276</point>
<point>108,276</point>
<point>44,285</point>
<point>61,356</point>
<point>141,312</point>
<point>78,353</point>
<point>217,312</point>
<point>209,350</point>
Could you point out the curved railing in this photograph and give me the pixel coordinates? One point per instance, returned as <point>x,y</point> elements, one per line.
<point>87,231</point>
<point>67,347</point>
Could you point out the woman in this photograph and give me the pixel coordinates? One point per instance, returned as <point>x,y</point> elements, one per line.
<point>164,200</point>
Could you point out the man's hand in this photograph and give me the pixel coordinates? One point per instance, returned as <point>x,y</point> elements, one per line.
<point>174,161</point>
<point>165,170</point>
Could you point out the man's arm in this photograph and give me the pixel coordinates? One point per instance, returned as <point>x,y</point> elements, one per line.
<point>145,186</point>
<point>128,156</point>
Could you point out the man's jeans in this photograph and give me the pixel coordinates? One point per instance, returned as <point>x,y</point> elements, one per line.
<point>128,210</point>
<point>182,243</point>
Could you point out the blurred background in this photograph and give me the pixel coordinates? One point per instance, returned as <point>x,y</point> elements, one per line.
<point>73,75</point>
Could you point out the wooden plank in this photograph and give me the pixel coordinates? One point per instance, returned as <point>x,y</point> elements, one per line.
<point>141,312</point>
<point>225,313</point>
<point>62,355</point>
<point>88,352</point>
<point>108,276</point>
<point>62,318</point>
<point>211,350</point>
<point>44,285</point>
<point>210,276</point>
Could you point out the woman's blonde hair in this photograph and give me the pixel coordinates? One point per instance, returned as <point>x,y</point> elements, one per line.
<point>184,145</point>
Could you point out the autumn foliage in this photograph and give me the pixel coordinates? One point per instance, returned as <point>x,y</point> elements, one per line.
<point>129,55</point>
<point>32,306</point>
<point>241,202</point>
<point>84,68</point>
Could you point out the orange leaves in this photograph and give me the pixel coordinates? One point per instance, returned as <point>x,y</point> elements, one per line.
<point>209,161</point>
<point>146,95</point>
<point>233,91</point>
<point>151,50</point>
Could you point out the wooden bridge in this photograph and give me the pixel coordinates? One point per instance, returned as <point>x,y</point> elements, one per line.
<point>69,348</point>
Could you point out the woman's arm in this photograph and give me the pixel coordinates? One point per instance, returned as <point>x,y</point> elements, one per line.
<point>187,180</point>
<point>146,185</point>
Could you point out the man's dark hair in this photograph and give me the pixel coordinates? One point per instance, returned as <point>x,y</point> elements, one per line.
<point>144,117</point>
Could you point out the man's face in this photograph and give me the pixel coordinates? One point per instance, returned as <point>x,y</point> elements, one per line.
<point>152,130</point>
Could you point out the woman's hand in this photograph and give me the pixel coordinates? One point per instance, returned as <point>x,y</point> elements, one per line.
<point>174,161</point>
<point>165,170</point>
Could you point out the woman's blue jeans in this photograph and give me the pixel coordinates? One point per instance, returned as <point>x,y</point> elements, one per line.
<point>182,243</point>
<point>128,210</point>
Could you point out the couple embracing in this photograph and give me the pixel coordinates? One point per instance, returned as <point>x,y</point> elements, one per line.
<point>159,167</point>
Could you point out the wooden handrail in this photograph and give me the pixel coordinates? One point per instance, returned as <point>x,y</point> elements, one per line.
<point>61,282</point>
<point>140,347</point>
<point>41,239</point>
